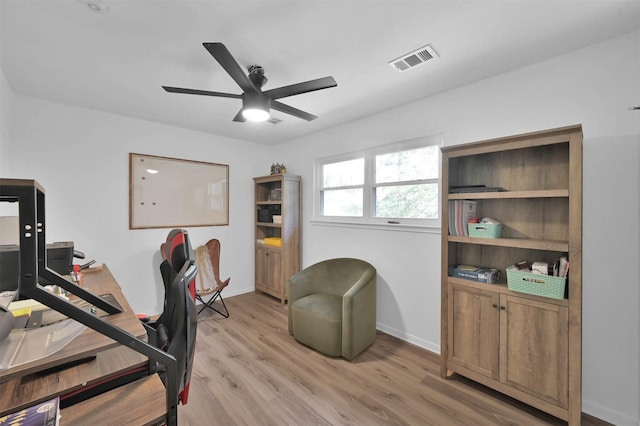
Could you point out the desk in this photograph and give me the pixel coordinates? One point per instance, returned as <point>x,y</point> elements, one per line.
<point>22,388</point>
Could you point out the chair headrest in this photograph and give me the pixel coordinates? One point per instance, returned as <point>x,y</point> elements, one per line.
<point>177,249</point>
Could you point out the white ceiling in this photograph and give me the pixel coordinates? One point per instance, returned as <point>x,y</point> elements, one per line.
<point>117,61</point>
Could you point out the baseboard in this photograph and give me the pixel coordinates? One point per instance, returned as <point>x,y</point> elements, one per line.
<point>230,292</point>
<point>608,415</point>
<point>425,344</point>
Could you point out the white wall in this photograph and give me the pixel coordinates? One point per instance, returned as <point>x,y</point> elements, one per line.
<point>6,100</point>
<point>81,158</point>
<point>593,87</point>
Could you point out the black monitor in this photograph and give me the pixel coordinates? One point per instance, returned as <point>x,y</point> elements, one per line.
<point>9,267</point>
<point>59,258</point>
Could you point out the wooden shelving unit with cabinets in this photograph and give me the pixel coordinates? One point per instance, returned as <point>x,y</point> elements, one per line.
<point>277,195</point>
<point>528,347</point>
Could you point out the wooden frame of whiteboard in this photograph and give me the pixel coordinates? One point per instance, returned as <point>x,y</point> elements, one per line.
<point>169,192</point>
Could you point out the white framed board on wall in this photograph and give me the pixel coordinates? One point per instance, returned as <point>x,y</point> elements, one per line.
<point>176,193</point>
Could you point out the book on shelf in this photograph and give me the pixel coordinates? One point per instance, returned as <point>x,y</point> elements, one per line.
<point>474,188</point>
<point>480,274</point>
<point>460,211</point>
<point>561,266</point>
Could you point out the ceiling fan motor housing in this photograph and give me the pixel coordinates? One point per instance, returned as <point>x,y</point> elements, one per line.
<point>256,100</point>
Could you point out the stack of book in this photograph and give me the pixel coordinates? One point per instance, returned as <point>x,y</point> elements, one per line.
<point>481,274</point>
<point>460,211</point>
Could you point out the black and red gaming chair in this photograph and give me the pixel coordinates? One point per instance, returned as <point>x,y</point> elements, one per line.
<point>175,330</point>
<point>175,252</point>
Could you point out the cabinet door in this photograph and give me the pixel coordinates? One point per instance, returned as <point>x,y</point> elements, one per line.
<point>274,271</point>
<point>261,267</point>
<point>269,270</point>
<point>534,348</point>
<point>474,329</point>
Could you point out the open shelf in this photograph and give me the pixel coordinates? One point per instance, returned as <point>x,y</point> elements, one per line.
<point>514,243</point>
<point>549,193</point>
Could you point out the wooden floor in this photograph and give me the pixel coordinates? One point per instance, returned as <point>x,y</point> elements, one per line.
<point>249,371</point>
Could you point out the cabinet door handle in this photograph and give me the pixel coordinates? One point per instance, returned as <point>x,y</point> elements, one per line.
<point>502,308</point>
<point>495,305</point>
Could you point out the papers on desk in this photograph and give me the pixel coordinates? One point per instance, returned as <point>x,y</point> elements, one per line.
<point>45,334</point>
<point>27,345</point>
<point>6,297</point>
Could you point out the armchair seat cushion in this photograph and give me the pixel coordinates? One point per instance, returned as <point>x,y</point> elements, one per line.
<point>317,322</point>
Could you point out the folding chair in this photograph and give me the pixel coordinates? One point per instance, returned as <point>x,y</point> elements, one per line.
<point>208,258</point>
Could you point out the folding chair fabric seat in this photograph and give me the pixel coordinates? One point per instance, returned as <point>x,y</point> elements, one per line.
<point>210,286</point>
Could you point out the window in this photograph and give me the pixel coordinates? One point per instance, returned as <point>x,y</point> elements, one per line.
<point>392,185</point>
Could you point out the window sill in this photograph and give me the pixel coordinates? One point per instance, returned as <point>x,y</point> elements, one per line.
<point>401,227</point>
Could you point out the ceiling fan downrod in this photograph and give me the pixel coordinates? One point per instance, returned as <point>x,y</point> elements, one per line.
<point>256,75</point>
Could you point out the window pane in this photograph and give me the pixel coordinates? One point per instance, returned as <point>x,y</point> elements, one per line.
<point>412,164</point>
<point>407,201</point>
<point>342,202</point>
<point>343,173</point>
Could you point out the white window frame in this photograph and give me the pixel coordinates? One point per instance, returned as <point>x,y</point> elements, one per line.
<point>368,220</point>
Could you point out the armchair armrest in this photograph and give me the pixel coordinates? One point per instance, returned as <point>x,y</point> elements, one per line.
<point>359,305</point>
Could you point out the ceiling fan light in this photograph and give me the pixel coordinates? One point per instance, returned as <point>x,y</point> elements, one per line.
<point>255,114</point>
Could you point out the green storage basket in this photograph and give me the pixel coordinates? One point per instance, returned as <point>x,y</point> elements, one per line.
<point>485,230</point>
<point>536,284</point>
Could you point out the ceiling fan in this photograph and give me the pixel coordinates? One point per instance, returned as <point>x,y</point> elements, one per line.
<point>255,102</point>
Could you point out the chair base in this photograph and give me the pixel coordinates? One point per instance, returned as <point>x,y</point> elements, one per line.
<point>209,304</point>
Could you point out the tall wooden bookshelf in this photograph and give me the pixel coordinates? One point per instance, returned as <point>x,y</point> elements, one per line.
<point>277,207</point>
<point>528,347</point>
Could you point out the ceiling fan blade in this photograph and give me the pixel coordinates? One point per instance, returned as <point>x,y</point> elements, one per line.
<point>223,56</point>
<point>239,118</point>
<point>200,92</point>
<point>296,89</point>
<point>292,111</point>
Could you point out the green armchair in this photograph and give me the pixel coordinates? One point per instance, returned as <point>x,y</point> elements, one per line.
<point>332,306</point>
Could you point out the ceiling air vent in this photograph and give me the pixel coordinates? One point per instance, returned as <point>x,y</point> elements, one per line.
<point>413,59</point>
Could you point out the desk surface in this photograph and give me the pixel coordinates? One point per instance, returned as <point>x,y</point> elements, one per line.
<point>137,403</point>
<point>89,342</point>
<point>22,388</point>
